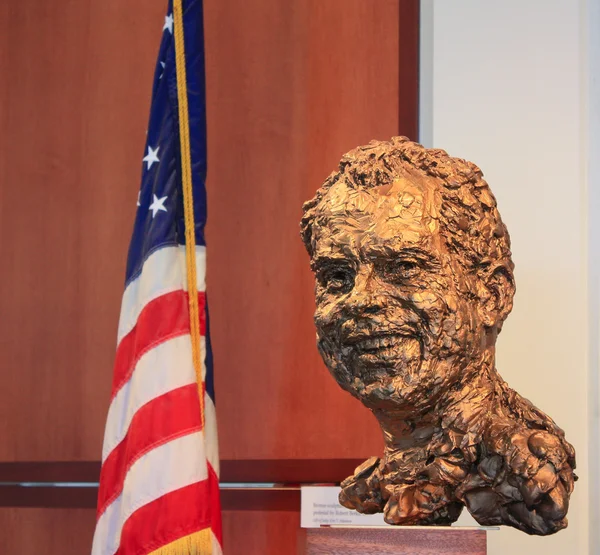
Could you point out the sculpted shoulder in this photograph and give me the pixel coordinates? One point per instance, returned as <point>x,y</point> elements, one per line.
<point>524,477</point>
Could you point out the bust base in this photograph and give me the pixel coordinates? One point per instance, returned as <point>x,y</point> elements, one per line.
<point>387,541</point>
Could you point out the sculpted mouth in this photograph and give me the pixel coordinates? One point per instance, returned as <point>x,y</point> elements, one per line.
<point>378,344</point>
<point>382,351</point>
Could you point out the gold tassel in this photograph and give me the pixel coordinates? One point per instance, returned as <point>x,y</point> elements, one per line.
<point>198,543</point>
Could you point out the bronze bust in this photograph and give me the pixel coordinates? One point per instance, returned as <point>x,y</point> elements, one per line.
<point>414,280</point>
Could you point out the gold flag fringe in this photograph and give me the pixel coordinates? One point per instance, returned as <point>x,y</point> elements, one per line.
<point>198,543</point>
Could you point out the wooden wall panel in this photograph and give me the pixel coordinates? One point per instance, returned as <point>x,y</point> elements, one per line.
<point>47,531</point>
<point>262,533</point>
<point>74,102</point>
<point>291,86</point>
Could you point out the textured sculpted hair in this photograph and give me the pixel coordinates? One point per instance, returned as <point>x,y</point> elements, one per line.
<point>469,218</point>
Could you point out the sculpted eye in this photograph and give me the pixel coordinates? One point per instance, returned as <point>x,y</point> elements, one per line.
<point>337,279</point>
<point>404,269</point>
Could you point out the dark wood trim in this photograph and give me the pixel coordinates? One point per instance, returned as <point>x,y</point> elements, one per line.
<point>281,471</point>
<point>85,498</point>
<point>409,32</point>
<point>51,471</point>
<point>260,500</point>
<point>290,472</point>
<point>47,496</point>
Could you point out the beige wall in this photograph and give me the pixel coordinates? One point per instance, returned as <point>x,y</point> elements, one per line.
<point>505,84</point>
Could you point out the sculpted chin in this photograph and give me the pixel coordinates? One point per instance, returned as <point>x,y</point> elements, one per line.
<point>414,280</point>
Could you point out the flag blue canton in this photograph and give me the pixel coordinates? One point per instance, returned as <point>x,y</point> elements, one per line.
<point>160,219</point>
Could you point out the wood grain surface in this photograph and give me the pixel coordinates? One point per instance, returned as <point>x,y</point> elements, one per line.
<point>291,86</point>
<point>262,533</point>
<point>73,110</point>
<point>354,541</point>
<point>46,531</point>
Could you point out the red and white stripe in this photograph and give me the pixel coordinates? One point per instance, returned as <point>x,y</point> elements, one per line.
<point>160,467</point>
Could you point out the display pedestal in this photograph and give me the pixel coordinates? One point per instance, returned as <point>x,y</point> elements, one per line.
<point>388,541</point>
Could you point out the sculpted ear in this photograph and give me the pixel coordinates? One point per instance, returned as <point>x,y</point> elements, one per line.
<point>496,294</point>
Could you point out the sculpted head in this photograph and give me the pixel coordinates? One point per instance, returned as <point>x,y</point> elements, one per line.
<point>414,276</point>
<point>414,280</point>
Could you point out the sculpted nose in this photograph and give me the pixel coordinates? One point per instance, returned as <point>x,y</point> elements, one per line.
<point>365,297</point>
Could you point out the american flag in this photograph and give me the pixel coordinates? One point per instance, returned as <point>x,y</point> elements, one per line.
<point>159,488</point>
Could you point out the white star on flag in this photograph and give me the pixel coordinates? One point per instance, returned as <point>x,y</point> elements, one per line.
<point>138,200</point>
<point>151,157</point>
<point>158,205</point>
<point>169,23</point>
<point>163,70</point>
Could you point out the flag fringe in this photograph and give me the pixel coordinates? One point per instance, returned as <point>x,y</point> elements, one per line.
<point>198,543</point>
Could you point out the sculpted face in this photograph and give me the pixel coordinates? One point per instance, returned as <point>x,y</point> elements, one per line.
<point>394,323</point>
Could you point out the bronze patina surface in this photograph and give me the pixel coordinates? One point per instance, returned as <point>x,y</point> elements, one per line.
<point>414,280</point>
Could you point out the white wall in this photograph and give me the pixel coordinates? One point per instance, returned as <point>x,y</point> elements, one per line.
<point>506,85</point>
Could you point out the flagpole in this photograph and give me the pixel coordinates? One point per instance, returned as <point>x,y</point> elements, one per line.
<point>188,199</point>
<point>200,542</point>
